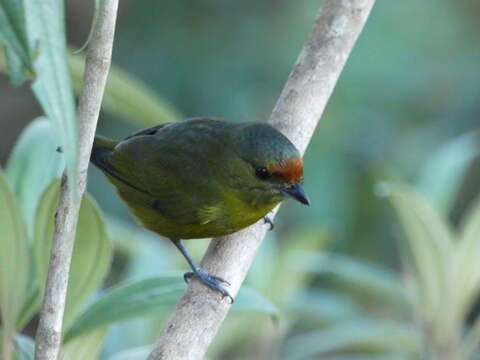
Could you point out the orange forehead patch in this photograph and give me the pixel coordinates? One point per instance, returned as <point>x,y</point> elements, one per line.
<point>291,170</point>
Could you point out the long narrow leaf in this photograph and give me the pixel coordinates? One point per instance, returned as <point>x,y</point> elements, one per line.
<point>127,97</point>
<point>288,274</point>
<point>52,86</point>
<point>14,258</point>
<point>129,300</point>
<point>362,336</point>
<point>469,251</point>
<point>429,243</point>
<point>323,307</point>
<point>444,172</point>
<point>138,353</point>
<point>85,347</point>
<point>91,255</point>
<point>469,343</point>
<point>152,296</point>
<point>32,305</point>
<point>24,347</point>
<point>468,275</point>
<point>363,277</point>
<point>381,356</point>
<point>33,165</point>
<point>250,300</point>
<point>13,35</point>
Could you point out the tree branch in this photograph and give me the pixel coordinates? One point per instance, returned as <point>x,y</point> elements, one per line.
<point>49,333</point>
<point>199,313</point>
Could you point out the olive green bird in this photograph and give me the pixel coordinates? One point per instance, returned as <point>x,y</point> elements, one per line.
<point>202,178</point>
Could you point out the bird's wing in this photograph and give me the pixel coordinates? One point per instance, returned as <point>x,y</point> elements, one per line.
<point>165,177</point>
<point>148,131</point>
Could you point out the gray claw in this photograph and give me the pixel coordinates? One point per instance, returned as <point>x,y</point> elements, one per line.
<point>212,281</point>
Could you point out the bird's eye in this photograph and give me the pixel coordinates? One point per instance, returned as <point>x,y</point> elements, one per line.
<point>262,173</point>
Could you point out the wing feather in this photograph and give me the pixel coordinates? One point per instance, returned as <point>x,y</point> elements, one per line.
<point>164,171</point>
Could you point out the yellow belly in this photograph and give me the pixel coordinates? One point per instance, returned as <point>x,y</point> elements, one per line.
<point>232,218</point>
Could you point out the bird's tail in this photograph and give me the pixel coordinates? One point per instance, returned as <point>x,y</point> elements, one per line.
<point>101,150</point>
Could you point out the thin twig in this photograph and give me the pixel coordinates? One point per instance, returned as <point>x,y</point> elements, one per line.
<point>49,333</point>
<point>199,314</point>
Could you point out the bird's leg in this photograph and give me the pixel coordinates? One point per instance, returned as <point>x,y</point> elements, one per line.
<point>268,220</point>
<point>207,279</point>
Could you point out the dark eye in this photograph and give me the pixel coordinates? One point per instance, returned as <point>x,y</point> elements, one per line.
<point>262,173</point>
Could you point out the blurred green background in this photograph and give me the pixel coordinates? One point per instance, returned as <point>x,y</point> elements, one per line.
<point>406,107</point>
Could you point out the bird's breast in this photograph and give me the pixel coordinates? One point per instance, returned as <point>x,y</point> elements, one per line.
<point>239,214</point>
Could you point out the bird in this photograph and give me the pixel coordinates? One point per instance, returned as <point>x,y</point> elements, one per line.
<point>202,177</point>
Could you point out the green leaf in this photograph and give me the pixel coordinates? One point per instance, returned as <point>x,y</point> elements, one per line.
<point>288,276</point>
<point>14,67</point>
<point>24,347</point>
<point>468,250</point>
<point>366,278</point>
<point>444,172</point>
<point>92,252</point>
<point>128,300</point>
<point>92,258</point>
<point>355,336</point>
<point>85,347</point>
<point>52,86</point>
<point>278,268</point>
<point>33,165</point>
<point>148,255</point>
<point>44,230</point>
<point>467,276</point>
<point>14,258</point>
<point>469,342</point>
<point>250,300</point>
<point>32,305</point>
<point>13,35</point>
<point>151,296</point>
<point>138,353</point>
<point>322,307</point>
<point>127,97</point>
<point>429,244</point>
<point>385,356</point>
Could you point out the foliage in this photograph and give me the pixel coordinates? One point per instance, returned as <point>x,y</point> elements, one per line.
<point>424,312</point>
<point>34,36</point>
<point>21,294</point>
<point>14,259</point>
<point>45,28</point>
<point>127,97</point>
<point>444,272</point>
<point>13,35</point>
<point>33,157</point>
<point>405,108</point>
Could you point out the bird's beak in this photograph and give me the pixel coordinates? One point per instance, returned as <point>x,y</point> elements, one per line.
<point>296,192</point>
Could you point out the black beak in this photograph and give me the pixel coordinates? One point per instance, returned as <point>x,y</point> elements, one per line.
<point>296,192</point>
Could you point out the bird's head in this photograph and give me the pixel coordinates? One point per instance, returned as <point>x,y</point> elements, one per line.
<point>272,168</point>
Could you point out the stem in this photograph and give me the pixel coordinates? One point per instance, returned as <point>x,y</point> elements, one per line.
<point>199,314</point>
<point>49,333</point>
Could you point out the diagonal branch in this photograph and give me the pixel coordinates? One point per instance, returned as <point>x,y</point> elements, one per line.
<point>49,333</point>
<point>199,314</point>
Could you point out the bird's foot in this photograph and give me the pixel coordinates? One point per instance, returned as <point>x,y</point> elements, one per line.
<point>268,220</point>
<point>212,281</point>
